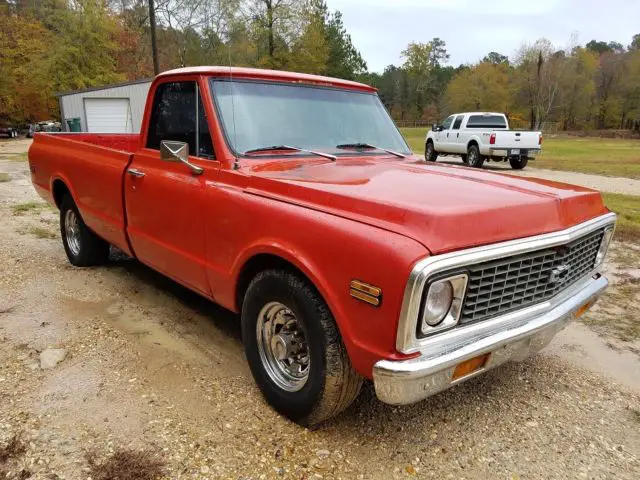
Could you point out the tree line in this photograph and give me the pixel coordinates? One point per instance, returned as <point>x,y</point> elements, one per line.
<point>592,86</point>
<point>49,46</point>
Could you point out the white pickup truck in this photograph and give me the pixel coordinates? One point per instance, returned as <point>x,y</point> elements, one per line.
<point>480,136</point>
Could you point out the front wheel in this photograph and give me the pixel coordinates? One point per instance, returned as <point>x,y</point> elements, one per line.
<point>518,163</point>
<point>83,247</point>
<point>430,154</point>
<point>474,159</point>
<point>294,349</point>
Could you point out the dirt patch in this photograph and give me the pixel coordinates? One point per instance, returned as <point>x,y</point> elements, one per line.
<point>126,465</point>
<point>616,316</point>
<point>10,455</point>
<point>14,448</point>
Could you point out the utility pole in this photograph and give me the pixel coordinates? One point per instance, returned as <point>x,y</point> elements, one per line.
<point>154,47</point>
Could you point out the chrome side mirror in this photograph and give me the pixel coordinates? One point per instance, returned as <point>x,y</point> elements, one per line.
<point>173,151</point>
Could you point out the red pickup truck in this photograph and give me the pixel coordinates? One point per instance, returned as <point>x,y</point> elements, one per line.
<point>294,201</point>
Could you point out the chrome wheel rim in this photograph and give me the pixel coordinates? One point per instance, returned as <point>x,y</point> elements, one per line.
<point>471,156</point>
<point>283,347</point>
<point>72,231</point>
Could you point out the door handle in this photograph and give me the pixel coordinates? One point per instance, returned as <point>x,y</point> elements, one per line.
<point>457,135</point>
<point>135,172</point>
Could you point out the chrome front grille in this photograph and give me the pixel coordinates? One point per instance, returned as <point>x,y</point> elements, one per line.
<point>511,283</point>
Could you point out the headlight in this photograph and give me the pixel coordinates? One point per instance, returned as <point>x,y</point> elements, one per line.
<point>438,302</point>
<point>604,246</point>
<point>443,303</point>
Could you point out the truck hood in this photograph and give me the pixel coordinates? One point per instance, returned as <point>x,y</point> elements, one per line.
<point>443,207</point>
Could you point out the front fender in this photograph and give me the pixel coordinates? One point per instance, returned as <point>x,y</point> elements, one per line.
<point>331,251</point>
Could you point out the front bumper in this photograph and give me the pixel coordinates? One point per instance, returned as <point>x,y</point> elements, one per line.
<point>505,152</point>
<point>408,381</point>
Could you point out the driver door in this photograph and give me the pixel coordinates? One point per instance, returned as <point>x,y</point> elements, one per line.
<point>441,141</point>
<point>165,201</point>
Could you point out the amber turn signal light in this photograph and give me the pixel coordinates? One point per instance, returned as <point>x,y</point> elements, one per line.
<point>469,366</point>
<point>365,292</point>
<point>582,310</point>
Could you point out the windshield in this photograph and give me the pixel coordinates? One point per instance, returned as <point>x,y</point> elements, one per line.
<point>314,118</point>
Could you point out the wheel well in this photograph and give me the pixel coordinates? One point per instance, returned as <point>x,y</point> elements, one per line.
<point>429,140</point>
<point>257,264</point>
<point>472,142</point>
<point>60,189</point>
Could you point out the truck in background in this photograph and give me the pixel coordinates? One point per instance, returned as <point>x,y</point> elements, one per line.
<point>481,136</point>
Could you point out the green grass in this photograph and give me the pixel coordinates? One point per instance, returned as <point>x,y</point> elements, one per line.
<point>628,209</point>
<point>41,232</point>
<point>15,157</point>
<point>4,177</point>
<point>599,156</point>
<point>415,138</point>
<point>22,208</point>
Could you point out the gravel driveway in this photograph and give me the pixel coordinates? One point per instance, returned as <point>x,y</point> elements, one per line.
<point>151,367</point>
<point>623,185</point>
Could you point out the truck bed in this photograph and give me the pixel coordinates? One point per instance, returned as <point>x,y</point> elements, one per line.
<point>124,142</point>
<point>74,158</point>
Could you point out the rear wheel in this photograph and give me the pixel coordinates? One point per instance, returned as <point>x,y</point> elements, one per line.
<point>294,349</point>
<point>474,159</point>
<point>430,154</point>
<point>518,163</point>
<point>83,247</point>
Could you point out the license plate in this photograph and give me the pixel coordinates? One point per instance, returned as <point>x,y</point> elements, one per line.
<point>515,151</point>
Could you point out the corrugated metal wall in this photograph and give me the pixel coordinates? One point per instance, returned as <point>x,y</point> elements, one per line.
<point>73,104</point>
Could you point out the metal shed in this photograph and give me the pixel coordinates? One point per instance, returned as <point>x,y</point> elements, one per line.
<point>110,109</point>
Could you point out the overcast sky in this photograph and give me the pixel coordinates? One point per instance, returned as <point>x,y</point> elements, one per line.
<point>381,29</point>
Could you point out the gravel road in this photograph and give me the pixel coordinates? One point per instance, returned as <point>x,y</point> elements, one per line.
<point>623,185</point>
<point>152,367</point>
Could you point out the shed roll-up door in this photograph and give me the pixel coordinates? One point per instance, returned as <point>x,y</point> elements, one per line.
<point>108,115</point>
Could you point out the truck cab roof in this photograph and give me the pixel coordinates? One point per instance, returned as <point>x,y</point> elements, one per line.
<point>480,113</point>
<point>268,75</point>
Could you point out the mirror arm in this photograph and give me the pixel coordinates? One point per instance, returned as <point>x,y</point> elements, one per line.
<point>195,169</point>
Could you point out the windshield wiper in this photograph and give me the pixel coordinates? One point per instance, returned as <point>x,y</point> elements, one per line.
<point>369,146</point>
<point>293,149</point>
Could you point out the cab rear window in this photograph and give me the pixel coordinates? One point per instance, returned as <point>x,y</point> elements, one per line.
<point>486,121</point>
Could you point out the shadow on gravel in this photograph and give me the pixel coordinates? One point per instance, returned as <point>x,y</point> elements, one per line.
<point>227,321</point>
<point>499,391</point>
<point>126,465</point>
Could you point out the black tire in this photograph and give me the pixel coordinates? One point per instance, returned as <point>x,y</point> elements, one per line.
<point>332,384</point>
<point>430,154</point>
<point>474,159</point>
<point>464,158</point>
<point>90,249</point>
<point>518,163</point>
